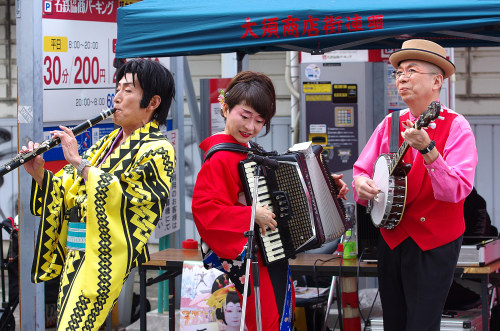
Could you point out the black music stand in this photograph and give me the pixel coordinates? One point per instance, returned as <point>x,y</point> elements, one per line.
<point>252,258</point>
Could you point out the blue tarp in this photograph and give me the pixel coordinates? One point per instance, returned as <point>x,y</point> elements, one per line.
<point>192,27</point>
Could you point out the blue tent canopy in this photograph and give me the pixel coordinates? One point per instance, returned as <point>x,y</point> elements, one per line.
<point>193,27</point>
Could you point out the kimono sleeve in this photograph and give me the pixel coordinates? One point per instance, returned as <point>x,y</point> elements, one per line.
<point>220,219</point>
<point>48,202</point>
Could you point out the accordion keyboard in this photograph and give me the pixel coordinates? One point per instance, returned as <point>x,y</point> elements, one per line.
<point>272,239</point>
<point>280,190</point>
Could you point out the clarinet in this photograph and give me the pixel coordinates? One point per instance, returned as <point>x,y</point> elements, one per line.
<point>19,159</point>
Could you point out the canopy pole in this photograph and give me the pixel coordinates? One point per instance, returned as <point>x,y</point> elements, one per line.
<point>292,82</point>
<point>242,59</point>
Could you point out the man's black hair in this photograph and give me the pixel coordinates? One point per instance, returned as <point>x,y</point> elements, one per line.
<point>154,79</point>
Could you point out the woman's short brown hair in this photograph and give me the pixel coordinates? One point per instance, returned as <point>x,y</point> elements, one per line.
<point>253,89</point>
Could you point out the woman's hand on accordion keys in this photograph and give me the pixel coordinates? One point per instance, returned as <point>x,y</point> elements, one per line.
<point>341,186</point>
<point>265,219</point>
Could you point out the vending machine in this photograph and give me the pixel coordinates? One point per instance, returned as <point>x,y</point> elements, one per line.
<point>340,105</point>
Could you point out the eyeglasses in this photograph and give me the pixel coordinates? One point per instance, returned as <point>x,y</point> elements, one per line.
<point>396,74</point>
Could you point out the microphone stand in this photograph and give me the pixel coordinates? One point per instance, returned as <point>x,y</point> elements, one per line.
<point>251,257</point>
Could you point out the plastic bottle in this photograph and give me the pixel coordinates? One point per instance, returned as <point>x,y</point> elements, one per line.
<point>349,246</point>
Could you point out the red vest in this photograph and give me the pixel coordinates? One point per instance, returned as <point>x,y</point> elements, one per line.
<point>429,222</point>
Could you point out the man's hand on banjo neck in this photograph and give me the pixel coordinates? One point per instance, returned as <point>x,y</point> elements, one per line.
<point>419,139</point>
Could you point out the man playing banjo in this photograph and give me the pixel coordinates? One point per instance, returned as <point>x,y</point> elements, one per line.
<point>417,256</point>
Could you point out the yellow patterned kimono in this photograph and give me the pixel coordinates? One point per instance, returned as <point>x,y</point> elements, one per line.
<point>121,203</point>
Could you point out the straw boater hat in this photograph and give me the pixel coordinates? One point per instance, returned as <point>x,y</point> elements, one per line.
<point>424,50</point>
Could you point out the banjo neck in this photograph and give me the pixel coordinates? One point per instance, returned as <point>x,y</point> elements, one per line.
<point>398,156</point>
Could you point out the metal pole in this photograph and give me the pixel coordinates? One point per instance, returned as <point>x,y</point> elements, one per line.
<point>250,261</point>
<point>30,124</point>
<point>333,287</point>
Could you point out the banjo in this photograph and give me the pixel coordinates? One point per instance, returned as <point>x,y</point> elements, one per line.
<point>389,174</point>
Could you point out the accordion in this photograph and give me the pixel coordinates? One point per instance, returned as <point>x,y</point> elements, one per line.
<point>302,194</point>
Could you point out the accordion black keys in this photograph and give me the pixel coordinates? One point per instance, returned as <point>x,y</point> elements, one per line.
<point>303,196</point>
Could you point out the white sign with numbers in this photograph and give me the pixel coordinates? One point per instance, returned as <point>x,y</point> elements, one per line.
<point>79,39</point>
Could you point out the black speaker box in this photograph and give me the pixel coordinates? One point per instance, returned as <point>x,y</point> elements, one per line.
<point>368,235</point>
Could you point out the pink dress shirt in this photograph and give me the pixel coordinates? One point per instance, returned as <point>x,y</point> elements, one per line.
<point>452,173</point>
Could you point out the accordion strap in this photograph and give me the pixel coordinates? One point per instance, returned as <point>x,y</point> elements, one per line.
<point>232,147</point>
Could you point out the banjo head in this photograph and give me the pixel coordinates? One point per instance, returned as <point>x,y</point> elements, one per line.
<point>381,178</point>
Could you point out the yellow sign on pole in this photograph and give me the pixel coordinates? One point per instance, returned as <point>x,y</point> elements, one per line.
<point>55,44</point>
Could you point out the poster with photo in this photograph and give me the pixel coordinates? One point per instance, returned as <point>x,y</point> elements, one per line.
<point>209,300</point>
